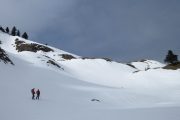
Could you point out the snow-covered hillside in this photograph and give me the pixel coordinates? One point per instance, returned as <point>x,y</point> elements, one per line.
<point>77,88</point>
<point>147,64</point>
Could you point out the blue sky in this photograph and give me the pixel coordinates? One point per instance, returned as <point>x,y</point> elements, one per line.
<point>124,30</point>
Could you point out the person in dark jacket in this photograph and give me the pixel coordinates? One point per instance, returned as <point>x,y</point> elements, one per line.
<point>38,94</point>
<point>33,93</point>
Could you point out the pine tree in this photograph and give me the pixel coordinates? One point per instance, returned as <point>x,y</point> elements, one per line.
<point>25,36</point>
<point>2,29</point>
<point>18,33</point>
<point>13,32</point>
<point>7,29</point>
<point>170,57</point>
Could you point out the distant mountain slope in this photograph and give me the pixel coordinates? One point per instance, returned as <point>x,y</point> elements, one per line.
<point>98,71</point>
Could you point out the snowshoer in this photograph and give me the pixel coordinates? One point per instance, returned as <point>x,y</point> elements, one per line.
<point>33,93</point>
<point>38,94</point>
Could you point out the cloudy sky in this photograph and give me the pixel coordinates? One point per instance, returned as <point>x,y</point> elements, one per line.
<point>124,30</point>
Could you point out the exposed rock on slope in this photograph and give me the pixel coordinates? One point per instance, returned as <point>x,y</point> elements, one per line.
<point>54,63</point>
<point>173,66</point>
<point>4,57</point>
<point>67,56</point>
<point>33,47</point>
<point>129,64</point>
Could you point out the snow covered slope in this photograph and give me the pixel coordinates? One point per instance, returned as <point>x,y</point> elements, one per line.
<point>147,64</point>
<point>74,88</point>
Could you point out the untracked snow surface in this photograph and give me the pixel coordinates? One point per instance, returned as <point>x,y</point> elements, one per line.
<point>84,89</point>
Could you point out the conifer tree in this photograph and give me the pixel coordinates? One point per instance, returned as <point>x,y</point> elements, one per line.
<point>170,57</point>
<point>18,33</point>
<point>7,29</point>
<point>2,29</point>
<point>13,32</point>
<point>25,36</point>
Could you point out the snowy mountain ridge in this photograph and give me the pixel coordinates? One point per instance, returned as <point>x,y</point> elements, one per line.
<point>52,58</point>
<point>73,87</point>
<point>19,46</point>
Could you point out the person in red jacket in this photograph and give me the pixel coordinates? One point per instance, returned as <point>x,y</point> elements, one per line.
<point>33,93</point>
<point>38,94</point>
